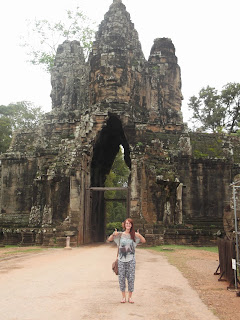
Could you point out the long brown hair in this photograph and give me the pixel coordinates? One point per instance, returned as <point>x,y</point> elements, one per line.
<point>132,230</point>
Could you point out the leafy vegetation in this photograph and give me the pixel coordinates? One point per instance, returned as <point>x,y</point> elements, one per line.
<point>23,251</point>
<point>118,177</point>
<point>217,112</point>
<point>111,226</point>
<point>19,115</point>
<point>207,146</point>
<point>48,35</point>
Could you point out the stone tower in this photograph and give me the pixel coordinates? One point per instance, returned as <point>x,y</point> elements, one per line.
<point>50,177</point>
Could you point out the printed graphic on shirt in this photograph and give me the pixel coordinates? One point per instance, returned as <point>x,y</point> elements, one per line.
<point>126,248</point>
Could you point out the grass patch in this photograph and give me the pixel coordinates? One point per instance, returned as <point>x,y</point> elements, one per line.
<point>23,251</point>
<point>172,247</point>
<point>10,246</point>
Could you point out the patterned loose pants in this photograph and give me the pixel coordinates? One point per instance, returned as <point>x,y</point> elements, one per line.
<point>126,270</point>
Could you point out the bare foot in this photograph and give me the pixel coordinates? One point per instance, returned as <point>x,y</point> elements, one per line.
<point>123,300</point>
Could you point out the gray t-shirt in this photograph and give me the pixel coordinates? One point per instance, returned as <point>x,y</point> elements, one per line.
<point>126,245</point>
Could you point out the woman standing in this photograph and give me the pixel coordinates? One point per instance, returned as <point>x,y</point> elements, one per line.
<point>127,242</point>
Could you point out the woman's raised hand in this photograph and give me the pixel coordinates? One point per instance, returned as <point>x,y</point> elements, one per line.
<point>115,233</point>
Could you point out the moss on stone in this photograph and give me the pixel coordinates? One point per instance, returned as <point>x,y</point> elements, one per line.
<point>207,146</point>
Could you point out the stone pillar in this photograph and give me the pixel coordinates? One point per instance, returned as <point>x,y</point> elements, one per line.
<point>178,210</point>
<point>167,219</point>
<point>68,243</point>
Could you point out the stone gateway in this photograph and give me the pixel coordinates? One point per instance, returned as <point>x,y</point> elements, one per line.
<point>179,181</point>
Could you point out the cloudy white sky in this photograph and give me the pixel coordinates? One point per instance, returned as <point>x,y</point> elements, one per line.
<point>205,34</point>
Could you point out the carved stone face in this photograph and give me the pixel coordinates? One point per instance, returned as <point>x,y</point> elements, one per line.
<point>116,57</point>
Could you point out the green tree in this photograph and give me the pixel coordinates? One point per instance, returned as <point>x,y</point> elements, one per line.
<point>213,111</point>
<point>230,98</point>
<point>118,177</point>
<point>48,35</point>
<point>207,110</point>
<point>5,133</point>
<point>19,115</point>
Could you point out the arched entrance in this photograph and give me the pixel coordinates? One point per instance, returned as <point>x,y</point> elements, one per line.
<point>105,150</point>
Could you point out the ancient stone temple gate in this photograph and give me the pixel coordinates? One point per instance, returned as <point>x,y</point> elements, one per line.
<point>179,181</point>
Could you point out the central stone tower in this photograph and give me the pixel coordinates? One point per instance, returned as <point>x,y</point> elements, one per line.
<point>150,91</point>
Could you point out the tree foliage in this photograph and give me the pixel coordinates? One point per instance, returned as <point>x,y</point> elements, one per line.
<point>230,97</point>
<point>19,115</point>
<point>48,35</point>
<point>213,111</point>
<point>118,177</point>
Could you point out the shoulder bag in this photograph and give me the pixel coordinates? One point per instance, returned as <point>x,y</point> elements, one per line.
<point>115,263</point>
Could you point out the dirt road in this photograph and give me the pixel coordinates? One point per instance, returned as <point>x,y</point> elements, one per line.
<point>79,284</point>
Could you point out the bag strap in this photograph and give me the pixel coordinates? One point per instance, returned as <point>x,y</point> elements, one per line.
<point>119,244</point>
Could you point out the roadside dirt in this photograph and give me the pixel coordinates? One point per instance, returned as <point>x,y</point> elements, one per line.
<point>78,284</point>
<point>198,266</point>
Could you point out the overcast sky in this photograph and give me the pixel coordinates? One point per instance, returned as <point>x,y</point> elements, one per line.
<point>205,34</point>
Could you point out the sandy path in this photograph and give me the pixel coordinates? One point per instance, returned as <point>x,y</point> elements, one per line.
<point>78,284</point>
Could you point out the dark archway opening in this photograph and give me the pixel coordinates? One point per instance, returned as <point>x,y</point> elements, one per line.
<point>104,153</point>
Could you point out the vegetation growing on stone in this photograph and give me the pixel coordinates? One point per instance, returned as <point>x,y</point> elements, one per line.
<point>48,35</point>
<point>207,146</point>
<point>17,116</point>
